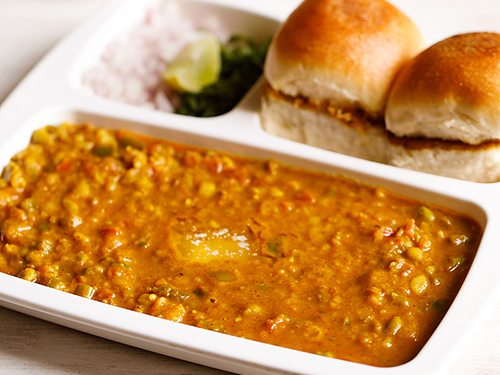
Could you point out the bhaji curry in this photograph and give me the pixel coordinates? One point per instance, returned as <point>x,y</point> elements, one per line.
<point>251,248</point>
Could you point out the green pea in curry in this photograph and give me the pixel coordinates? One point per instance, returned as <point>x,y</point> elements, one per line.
<point>251,248</point>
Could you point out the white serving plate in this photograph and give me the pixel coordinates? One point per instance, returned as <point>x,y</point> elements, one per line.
<point>52,94</point>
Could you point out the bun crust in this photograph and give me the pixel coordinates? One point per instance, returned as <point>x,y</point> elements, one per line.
<point>346,52</point>
<point>450,91</point>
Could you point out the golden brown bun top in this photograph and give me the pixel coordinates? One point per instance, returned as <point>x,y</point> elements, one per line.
<point>342,51</point>
<point>450,91</point>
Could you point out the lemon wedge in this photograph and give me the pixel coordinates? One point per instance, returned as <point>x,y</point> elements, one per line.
<point>196,66</point>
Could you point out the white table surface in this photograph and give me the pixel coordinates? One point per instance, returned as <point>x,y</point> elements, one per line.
<point>28,29</point>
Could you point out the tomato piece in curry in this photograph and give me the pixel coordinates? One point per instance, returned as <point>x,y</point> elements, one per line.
<point>251,248</point>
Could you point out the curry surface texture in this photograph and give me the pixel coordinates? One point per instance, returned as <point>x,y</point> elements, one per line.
<point>246,247</point>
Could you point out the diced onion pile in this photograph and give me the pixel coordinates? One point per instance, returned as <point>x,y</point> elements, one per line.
<point>129,69</point>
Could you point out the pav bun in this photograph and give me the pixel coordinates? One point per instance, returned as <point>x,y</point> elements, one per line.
<point>344,52</point>
<point>451,91</point>
<point>444,110</point>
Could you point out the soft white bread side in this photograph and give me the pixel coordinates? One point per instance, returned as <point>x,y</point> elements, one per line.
<point>480,164</point>
<point>319,128</point>
<point>286,119</point>
<point>450,91</point>
<point>345,52</point>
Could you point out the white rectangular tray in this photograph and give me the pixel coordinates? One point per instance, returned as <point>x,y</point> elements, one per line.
<point>52,94</point>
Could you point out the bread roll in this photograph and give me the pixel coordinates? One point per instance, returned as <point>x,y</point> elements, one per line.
<point>328,72</point>
<point>345,52</point>
<point>450,91</point>
<point>444,109</point>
